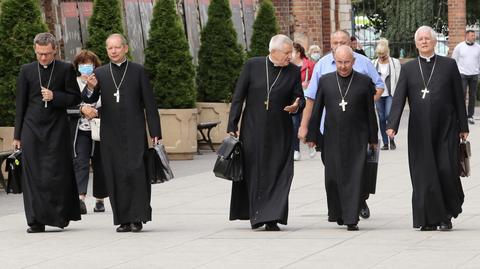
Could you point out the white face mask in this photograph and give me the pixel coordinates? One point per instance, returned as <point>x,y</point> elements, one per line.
<point>315,56</point>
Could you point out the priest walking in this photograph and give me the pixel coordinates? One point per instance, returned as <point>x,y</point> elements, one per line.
<point>351,121</point>
<point>272,90</point>
<point>437,122</point>
<point>45,88</point>
<point>126,98</point>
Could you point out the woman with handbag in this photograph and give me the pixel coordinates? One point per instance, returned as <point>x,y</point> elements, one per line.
<point>84,147</point>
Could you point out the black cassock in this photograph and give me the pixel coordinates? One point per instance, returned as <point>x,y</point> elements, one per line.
<point>49,189</point>
<point>345,142</point>
<point>267,141</point>
<point>124,139</point>
<point>433,137</point>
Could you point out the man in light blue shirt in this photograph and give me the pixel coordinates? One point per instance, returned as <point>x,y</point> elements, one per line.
<point>327,65</point>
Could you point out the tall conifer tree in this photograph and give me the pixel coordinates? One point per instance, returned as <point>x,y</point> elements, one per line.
<point>20,21</point>
<point>168,59</point>
<point>264,27</point>
<point>220,57</point>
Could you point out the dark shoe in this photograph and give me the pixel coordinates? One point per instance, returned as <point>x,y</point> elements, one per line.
<point>124,228</point>
<point>340,222</point>
<point>272,226</point>
<point>36,228</point>
<point>471,121</point>
<point>392,145</point>
<point>385,147</point>
<point>446,226</point>
<point>365,211</point>
<point>83,208</point>
<point>428,228</point>
<point>99,207</point>
<point>136,227</point>
<point>352,227</point>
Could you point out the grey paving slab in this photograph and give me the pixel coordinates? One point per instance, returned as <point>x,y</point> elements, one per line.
<point>190,227</point>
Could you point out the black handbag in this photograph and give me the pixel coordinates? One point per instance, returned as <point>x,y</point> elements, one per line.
<point>464,154</point>
<point>229,164</point>
<point>157,164</point>
<point>14,169</point>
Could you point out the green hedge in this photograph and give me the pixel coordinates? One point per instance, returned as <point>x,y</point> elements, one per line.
<point>264,28</point>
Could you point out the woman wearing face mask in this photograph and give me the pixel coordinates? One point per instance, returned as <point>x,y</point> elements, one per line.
<point>306,68</point>
<point>84,148</point>
<point>314,53</point>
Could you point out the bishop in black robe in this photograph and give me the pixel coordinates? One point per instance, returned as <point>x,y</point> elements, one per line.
<point>350,132</point>
<point>266,135</point>
<point>124,139</point>
<point>49,188</point>
<point>435,123</point>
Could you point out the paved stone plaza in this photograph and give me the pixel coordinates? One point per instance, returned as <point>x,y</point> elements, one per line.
<point>190,227</point>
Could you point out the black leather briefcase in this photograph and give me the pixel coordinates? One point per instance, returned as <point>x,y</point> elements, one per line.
<point>229,164</point>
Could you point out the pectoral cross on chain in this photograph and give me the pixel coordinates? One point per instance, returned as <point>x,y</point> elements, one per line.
<point>117,95</point>
<point>425,91</point>
<point>266,105</point>
<point>343,104</point>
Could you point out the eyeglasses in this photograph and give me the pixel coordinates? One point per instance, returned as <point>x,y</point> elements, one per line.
<point>44,54</point>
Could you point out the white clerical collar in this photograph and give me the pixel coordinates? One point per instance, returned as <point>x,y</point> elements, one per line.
<point>428,59</point>
<point>119,64</point>
<point>46,66</point>
<point>274,64</point>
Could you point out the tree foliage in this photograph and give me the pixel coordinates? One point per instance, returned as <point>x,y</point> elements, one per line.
<point>220,57</point>
<point>20,21</point>
<point>264,27</point>
<point>168,59</point>
<point>106,20</point>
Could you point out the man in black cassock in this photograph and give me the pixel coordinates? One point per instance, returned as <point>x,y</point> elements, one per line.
<point>45,88</point>
<point>272,90</point>
<point>126,93</point>
<point>347,96</point>
<point>437,122</point>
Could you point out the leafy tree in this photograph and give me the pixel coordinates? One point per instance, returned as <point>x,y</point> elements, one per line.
<point>264,27</point>
<point>168,59</point>
<point>20,21</point>
<point>106,20</point>
<point>220,57</point>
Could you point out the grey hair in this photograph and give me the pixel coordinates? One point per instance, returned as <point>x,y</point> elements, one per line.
<point>425,28</point>
<point>277,41</point>
<point>44,39</point>
<point>343,32</point>
<point>117,35</point>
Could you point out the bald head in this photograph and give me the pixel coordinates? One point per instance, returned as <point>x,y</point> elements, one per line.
<point>344,60</point>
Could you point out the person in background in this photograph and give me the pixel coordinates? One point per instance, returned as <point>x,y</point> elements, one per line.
<point>314,53</point>
<point>306,69</point>
<point>389,69</point>
<point>84,148</point>
<point>356,47</point>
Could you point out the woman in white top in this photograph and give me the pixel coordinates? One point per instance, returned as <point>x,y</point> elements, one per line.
<point>84,148</point>
<point>389,69</point>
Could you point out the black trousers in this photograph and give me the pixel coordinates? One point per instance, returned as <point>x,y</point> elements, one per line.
<point>470,82</point>
<point>81,164</point>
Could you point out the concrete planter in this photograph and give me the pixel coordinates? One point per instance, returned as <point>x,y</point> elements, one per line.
<point>208,112</point>
<point>6,139</point>
<point>179,132</point>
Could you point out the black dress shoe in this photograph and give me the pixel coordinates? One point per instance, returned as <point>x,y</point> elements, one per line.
<point>364,211</point>
<point>99,207</point>
<point>446,226</point>
<point>271,226</point>
<point>428,228</point>
<point>36,228</point>
<point>340,222</point>
<point>392,145</point>
<point>385,147</point>
<point>136,227</point>
<point>83,208</point>
<point>124,228</point>
<point>352,227</point>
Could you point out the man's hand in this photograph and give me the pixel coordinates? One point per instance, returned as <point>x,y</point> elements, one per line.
<point>302,133</point>
<point>378,94</point>
<point>47,95</point>
<point>89,112</point>
<point>391,133</point>
<point>155,140</point>
<point>16,144</point>
<point>463,136</point>
<point>373,146</point>
<point>293,108</point>
<point>234,134</point>
<point>311,144</point>
<point>92,82</point>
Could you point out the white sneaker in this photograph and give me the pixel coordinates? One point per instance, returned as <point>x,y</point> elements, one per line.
<point>312,152</point>
<point>296,155</point>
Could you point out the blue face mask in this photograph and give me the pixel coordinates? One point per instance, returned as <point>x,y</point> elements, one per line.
<point>85,69</point>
